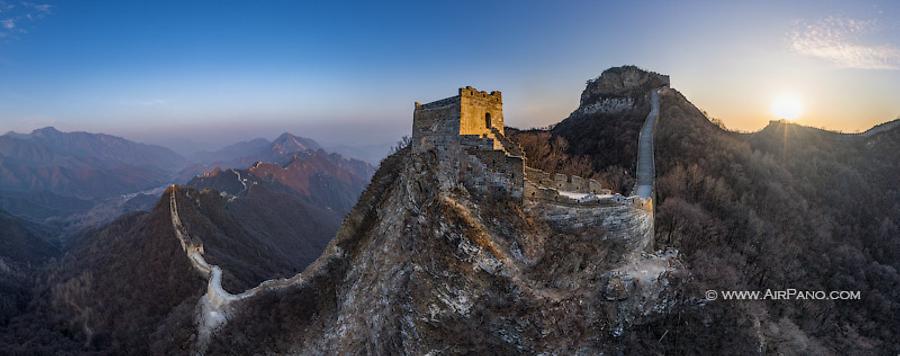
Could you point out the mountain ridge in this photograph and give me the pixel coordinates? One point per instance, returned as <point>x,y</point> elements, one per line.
<point>76,165</point>
<point>784,206</point>
<point>421,267</point>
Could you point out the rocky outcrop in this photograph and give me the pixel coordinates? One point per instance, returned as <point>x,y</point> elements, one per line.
<point>434,260</point>
<point>418,269</point>
<point>622,82</point>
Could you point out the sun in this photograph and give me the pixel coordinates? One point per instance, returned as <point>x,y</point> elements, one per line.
<point>787,106</point>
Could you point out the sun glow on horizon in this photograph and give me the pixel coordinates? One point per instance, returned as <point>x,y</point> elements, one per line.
<point>787,106</point>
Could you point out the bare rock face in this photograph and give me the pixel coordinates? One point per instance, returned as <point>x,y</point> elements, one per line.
<point>417,269</point>
<point>622,82</point>
<point>431,262</point>
<point>641,289</point>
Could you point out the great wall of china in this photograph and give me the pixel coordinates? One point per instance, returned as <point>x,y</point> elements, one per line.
<point>215,306</point>
<point>466,134</point>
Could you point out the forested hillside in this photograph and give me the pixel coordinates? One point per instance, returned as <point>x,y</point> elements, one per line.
<point>786,207</point>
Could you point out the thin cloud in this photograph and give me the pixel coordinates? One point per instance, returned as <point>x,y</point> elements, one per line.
<point>840,41</point>
<point>45,8</point>
<point>16,18</point>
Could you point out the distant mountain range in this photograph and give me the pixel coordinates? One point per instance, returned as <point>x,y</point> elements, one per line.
<point>286,144</point>
<point>82,165</point>
<point>245,153</point>
<point>80,179</point>
<point>51,173</point>
<point>263,210</point>
<point>326,180</point>
<point>129,277</point>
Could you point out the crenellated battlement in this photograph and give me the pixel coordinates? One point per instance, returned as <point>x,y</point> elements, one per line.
<point>471,92</point>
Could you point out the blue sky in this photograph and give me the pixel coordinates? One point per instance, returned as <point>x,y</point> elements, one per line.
<point>202,74</point>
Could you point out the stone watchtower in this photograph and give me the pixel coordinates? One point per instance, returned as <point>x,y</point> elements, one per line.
<point>472,114</point>
<point>466,134</point>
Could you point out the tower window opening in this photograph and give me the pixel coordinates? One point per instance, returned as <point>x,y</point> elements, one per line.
<point>487,120</point>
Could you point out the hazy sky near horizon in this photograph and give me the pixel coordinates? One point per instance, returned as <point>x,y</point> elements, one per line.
<point>201,74</point>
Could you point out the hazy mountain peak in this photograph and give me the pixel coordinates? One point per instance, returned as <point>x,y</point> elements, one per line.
<point>41,132</point>
<point>49,130</point>
<point>289,143</point>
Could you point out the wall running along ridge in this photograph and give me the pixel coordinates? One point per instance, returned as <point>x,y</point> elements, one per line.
<point>474,153</point>
<point>216,305</point>
<point>483,161</point>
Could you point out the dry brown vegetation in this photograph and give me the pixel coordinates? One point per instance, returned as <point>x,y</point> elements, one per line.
<point>786,207</point>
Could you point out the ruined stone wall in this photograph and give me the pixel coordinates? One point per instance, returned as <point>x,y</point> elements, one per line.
<point>435,129</point>
<point>626,220</point>
<point>512,148</point>
<point>436,124</point>
<point>612,105</point>
<point>622,223</point>
<point>534,191</point>
<point>490,172</point>
<point>479,142</point>
<point>565,182</point>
